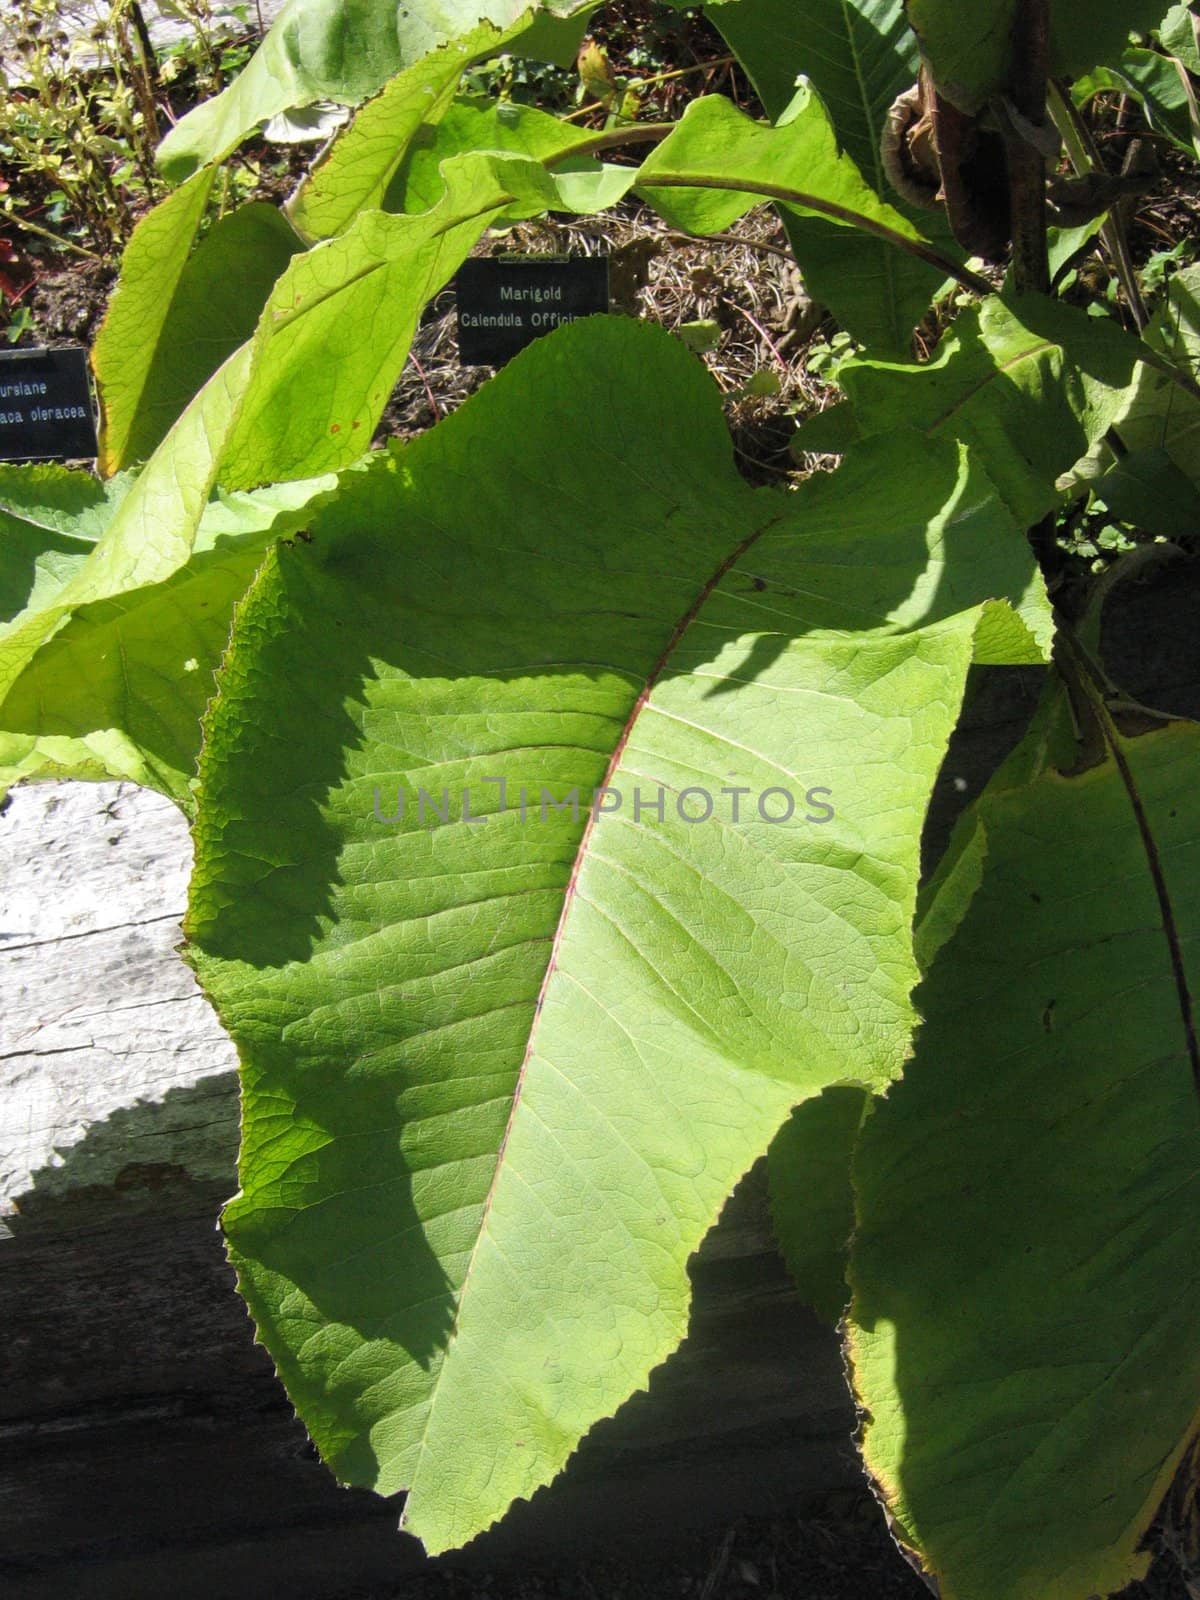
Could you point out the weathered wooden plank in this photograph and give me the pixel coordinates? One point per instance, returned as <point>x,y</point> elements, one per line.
<point>98,1014</point>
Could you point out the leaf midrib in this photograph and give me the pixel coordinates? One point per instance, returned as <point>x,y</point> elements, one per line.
<point>1000,370</point>
<point>653,677</point>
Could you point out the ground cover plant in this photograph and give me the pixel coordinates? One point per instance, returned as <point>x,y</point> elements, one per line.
<point>558,794</point>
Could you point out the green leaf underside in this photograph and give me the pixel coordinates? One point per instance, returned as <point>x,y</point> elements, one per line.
<point>128,341</point>
<point>481,125</point>
<point>153,531</point>
<point>466,1242</point>
<point>364,165</point>
<point>859,57</point>
<point>716,148</point>
<point>1025,1284</point>
<point>969,47</point>
<point>175,317</point>
<point>812,1202</point>
<point>119,690</point>
<point>345,50</point>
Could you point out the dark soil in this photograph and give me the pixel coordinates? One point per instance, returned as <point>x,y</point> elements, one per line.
<point>845,1553</point>
<point>68,305</point>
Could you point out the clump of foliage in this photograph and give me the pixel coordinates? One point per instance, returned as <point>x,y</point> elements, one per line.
<point>81,144</point>
<point>558,797</point>
<point>80,121</point>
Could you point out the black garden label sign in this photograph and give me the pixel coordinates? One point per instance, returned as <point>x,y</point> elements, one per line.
<point>505,302</point>
<point>46,406</point>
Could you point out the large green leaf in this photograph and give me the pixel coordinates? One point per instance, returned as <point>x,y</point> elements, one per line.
<point>119,690</point>
<point>1026,1294</point>
<point>129,337</point>
<point>719,163</point>
<point>174,317</point>
<point>859,56</point>
<point>1159,83</point>
<point>154,529</point>
<point>499,1075</point>
<point>354,171</point>
<point>346,50</point>
<point>1030,386</point>
<point>472,124</point>
<point>970,47</point>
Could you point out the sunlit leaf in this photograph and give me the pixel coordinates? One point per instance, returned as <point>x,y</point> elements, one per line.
<point>175,317</point>
<point>719,163</point>
<point>500,1075</point>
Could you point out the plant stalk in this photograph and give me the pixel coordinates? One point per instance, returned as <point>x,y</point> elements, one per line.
<point>1026,164</point>
<point>654,132</point>
<point>613,138</point>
